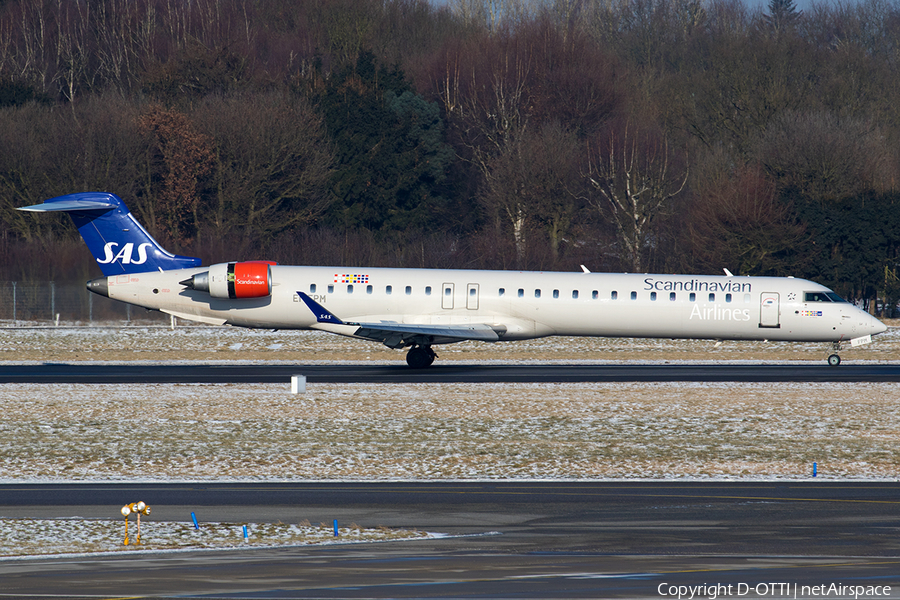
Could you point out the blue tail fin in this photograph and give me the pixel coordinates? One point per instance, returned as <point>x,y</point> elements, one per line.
<point>115,238</point>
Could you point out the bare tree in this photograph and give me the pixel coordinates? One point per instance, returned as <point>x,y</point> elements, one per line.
<point>634,176</point>
<point>825,157</point>
<point>271,161</point>
<point>737,222</point>
<point>533,182</point>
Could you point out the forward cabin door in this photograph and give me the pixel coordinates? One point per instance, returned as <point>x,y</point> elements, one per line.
<point>447,296</point>
<point>769,310</point>
<point>472,296</point>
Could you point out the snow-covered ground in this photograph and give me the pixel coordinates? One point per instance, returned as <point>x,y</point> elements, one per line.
<point>435,431</point>
<point>223,344</point>
<point>41,537</point>
<point>261,432</point>
<point>448,431</point>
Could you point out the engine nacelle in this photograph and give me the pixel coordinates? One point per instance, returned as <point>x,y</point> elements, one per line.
<point>252,279</point>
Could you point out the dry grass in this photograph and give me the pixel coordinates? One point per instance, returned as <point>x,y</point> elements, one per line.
<point>221,344</point>
<point>461,431</point>
<point>425,431</point>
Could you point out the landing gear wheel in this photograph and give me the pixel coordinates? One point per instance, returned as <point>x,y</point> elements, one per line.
<point>420,357</point>
<point>834,360</point>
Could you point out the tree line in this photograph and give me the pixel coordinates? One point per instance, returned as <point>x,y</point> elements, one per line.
<point>635,135</point>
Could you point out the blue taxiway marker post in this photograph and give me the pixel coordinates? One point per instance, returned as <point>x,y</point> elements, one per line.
<point>335,528</point>
<point>194,519</point>
<point>245,533</point>
<point>815,465</point>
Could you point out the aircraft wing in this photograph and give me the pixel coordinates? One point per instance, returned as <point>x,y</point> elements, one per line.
<point>394,334</point>
<point>471,331</point>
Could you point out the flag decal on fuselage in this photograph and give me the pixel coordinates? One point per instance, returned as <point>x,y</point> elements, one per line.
<point>350,278</point>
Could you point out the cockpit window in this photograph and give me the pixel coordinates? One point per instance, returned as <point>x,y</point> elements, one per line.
<point>822,297</point>
<point>816,297</point>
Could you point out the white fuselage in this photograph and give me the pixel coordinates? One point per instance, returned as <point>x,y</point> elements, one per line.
<point>519,304</point>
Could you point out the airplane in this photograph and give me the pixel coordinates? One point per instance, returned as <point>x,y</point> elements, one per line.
<point>423,308</point>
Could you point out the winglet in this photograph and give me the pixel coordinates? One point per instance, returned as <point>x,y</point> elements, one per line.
<point>584,269</point>
<point>321,313</point>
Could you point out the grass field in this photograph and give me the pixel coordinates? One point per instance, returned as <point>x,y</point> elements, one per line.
<point>221,344</point>
<point>436,431</point>
<point>261,432</point>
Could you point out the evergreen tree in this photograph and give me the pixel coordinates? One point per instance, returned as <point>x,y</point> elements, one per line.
<point>783,16</point>
<point>392,159</point>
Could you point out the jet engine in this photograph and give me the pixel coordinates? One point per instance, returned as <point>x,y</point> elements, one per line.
<point>251,279</point>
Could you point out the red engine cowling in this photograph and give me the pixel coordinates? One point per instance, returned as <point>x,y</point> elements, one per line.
<point>252,279</point>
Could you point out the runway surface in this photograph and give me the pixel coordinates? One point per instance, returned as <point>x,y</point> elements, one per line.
<point>516,540</point>
<point>440,373</point>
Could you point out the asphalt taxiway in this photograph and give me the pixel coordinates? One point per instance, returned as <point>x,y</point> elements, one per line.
<point>441,373</point>
<point>513,540</point>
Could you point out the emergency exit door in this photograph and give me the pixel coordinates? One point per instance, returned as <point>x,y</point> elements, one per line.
<point>472,296</point>
<point>447,295</point>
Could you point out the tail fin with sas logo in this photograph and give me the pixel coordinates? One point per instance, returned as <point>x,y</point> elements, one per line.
<point>115,238</point>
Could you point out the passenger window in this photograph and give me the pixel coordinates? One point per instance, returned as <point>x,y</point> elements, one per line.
<point>521,293</point>
<point>368,289</point>
<point>501,292</point>
<point>388,289</point>
<point>408,290</point>
<point>595,295</point>
<point>312,288</point>
<point>712,297</point>
<point>614,295</point>
<point>575,294</point>
<point>672,296</point>
<point>330,289</point>
<point>427,290</point>
<point>448,291</point>
<point>556,293</point>
<point>472,292</point>
<point>350,289</point>
<point>693,297</point>
<point>537,293</point>
<point>634,295</point>
<point>653,296</point>
<point>727,297</point>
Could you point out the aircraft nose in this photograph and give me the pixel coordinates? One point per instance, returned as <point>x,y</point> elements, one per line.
<point>878,326</point>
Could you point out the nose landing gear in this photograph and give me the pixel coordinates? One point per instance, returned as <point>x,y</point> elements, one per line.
<point>835,360</point>
<point>420,357</point>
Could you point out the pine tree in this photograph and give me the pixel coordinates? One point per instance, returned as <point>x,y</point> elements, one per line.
<point>783,16</point>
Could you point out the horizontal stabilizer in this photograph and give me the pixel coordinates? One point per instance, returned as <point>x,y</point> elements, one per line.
<point>71,205</point>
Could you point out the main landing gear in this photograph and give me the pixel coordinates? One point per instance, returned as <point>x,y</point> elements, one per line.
<point>835,360</point>
<point>420,357</point>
